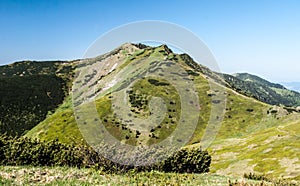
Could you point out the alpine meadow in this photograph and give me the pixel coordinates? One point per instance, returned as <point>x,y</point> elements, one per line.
<point>149,93</point>
<point>258,139</point>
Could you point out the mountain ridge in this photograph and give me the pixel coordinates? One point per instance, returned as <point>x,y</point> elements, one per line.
<point>263,90</point>
<point>64,72</point>
<point>254,78</point>
<point>245,119</point>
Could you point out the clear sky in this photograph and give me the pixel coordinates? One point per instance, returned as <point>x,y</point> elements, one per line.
<point>257,36</point>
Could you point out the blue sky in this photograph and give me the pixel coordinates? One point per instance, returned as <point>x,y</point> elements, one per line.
<point>257,36</point>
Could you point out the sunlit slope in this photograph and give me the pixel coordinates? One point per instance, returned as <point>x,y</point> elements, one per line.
<point>241,112</point>
<point>241,141</point>
<point>60,125</point>
<point>274,151</point>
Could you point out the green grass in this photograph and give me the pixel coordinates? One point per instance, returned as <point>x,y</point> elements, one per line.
<point>60,125</point>
<point>72,176</point>
<point>273,151</point>
<point>240,145</point>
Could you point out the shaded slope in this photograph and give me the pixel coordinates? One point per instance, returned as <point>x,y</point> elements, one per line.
<point>29,90</point>
<point>258,80</point>
<point>265,91</point>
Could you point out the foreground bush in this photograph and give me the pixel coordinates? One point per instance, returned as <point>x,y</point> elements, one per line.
<point>26,151</point>
<point>274,181</point>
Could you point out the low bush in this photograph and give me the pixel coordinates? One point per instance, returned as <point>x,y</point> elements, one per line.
<point>187,161</point>
<point>273,181</point>
<point>18,151</point>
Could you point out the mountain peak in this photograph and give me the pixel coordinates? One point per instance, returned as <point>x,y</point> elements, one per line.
<point>129,46</point>
<point>166,48</point>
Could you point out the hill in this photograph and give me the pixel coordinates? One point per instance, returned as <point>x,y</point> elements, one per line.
<point>263,90</point>
<point>249,126</point>
<point>245,126</point>
<point>29,91</point>
<point>240,108</point>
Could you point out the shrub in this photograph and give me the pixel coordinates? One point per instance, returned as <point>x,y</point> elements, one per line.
<point>263,178</point>
<point>25,151</point>
<point>253,176</point>
<point>187,160</point>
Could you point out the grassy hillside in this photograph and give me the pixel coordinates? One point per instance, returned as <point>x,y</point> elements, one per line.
<point>60,125</point>
<point>241,112</point>
<point>274,151</point>
<point>247,122</point>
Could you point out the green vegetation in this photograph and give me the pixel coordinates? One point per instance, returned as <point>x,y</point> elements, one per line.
<point>29,91</point>
<point>244,117</point>
<point>26,151</point>
<point>139,95</point>
<point>254,136</point>
<point>253,176</point>
<point>262,90</point>
<point>60,125</point>
<point>24,175</point>
<point>273,151</point>
<point>25,101</point>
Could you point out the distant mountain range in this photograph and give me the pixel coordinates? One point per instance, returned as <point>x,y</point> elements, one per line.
<point>263,90</point>
<point>292,85</point>
<point>36,101</point>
